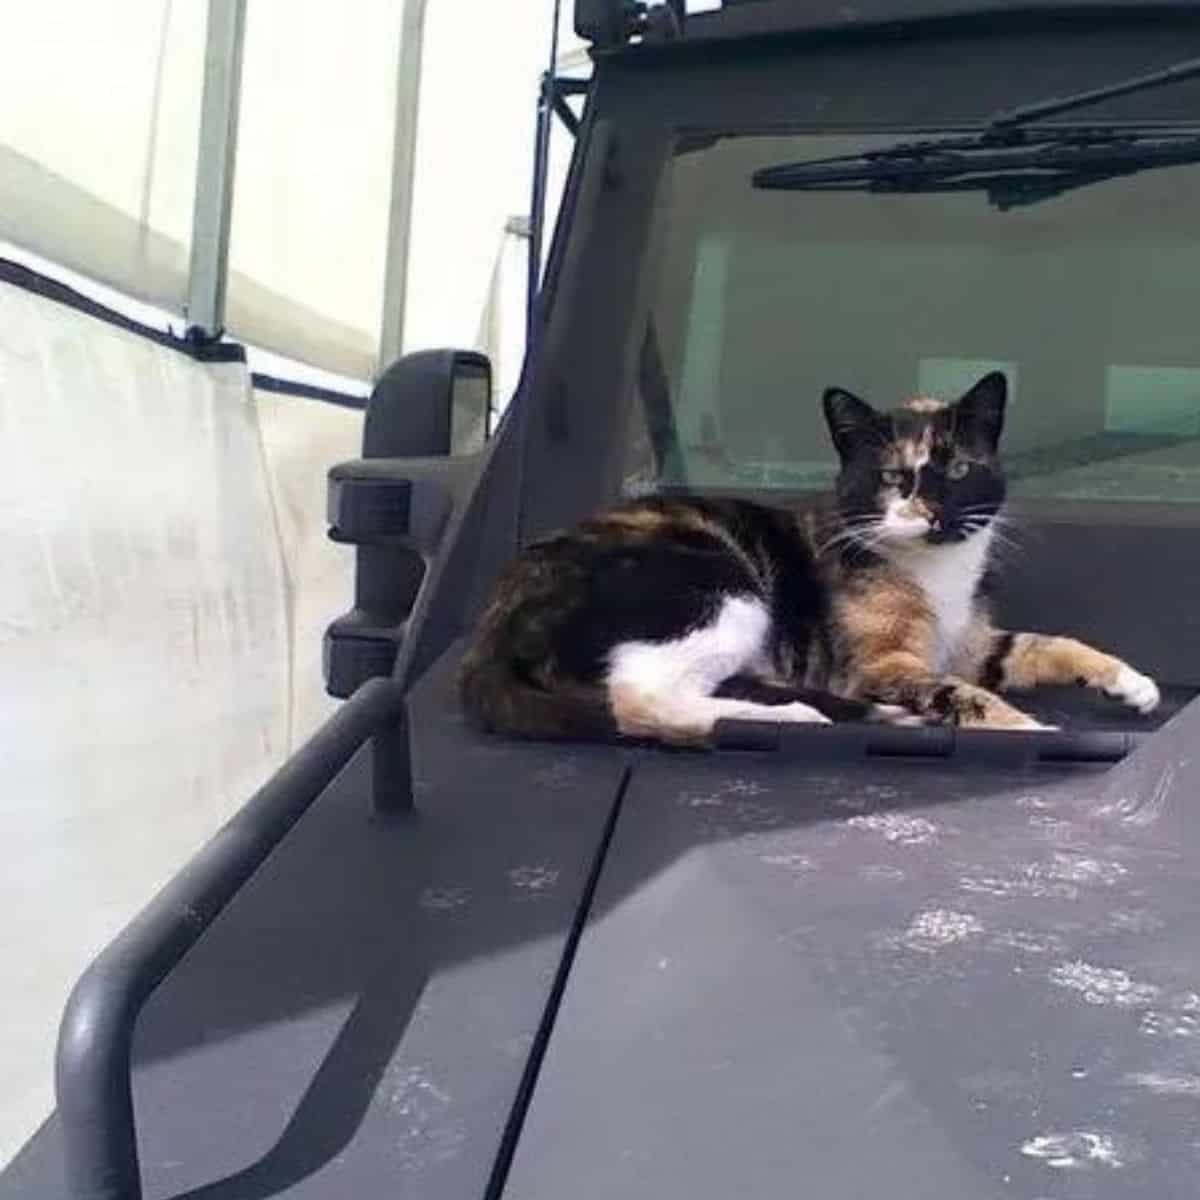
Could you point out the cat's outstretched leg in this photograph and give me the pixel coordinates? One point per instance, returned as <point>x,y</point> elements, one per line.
<point>1025,660</point>
<point>903,678</point>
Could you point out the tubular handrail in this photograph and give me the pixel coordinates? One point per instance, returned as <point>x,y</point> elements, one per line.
<point>95,1040</point>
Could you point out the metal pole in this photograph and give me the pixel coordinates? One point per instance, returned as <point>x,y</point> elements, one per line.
<point>404,161</point>
<point>95,1039</point>
<point>537,204</point>
<point>215,160</point>
<point>541,163</point>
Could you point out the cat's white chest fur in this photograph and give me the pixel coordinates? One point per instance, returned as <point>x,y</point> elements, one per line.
<point>949,576</point>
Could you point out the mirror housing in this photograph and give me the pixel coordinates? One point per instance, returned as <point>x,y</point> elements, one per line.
<point>430,404</point>
<point>607,23</point>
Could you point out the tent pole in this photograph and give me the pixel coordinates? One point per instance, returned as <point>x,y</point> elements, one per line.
<point>404,157</point>
<point>215,161</point>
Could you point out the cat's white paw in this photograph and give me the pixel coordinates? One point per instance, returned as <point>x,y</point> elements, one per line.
<point>798,714</point>
<point>1135,689</point>
<point>894,714</point>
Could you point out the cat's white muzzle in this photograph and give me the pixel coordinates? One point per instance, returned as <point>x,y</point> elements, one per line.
<point>901,523</point>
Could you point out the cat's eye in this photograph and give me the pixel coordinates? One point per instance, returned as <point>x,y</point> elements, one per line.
<point>958,468</point>
<point>892,478</point>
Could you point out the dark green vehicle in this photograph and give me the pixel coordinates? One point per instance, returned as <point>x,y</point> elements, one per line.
<point>838,962</point>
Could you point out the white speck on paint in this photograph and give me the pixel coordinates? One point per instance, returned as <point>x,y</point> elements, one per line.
<point>1058,878</point>
<point>1023,941</point>
<point>1140,808</point>
<point>897,828</point>
<point>882,873</point>
<point>1021,882</point>
<point>880,791</point>
<point>427,1132</point>
<point>1159,1024</point>
<point>739,789</point>
<point>1038,803</point>
<point>1166,1084</point>
<point>796,863</point>
<point>1104,985</point>
<point>1078,868</point>
<point>1052,828</point>
<point>744,787</point>
<point>533,879</point>
<point>1134,920</point>
<point>939,928</point>
<point>1071,1151</point>
<point>701,799</point>
<point>442,899</point>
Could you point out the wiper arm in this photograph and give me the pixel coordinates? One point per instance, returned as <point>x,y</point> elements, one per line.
<point>1044,166</point>
<point>1013,163</point>
<point>1013,118</point>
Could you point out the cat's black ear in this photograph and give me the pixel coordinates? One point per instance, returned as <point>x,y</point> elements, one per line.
<point>980,413</point>
<point>851,420</point>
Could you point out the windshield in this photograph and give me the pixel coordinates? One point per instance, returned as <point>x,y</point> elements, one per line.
<point>1086,301</point>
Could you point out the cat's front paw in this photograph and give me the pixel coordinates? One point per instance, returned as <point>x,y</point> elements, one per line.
<point>1131,687</point>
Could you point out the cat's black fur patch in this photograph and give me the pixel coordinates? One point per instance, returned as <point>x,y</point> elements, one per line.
<point>992,674</point>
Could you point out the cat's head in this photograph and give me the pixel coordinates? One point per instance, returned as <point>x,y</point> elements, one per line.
<point>925,472</point>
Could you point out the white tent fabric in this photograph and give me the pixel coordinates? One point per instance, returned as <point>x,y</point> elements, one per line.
<point>475,154</point>
<point>313,180</point>
<point>99,121</point>
<point>165,584</point>
<point>99,132</point>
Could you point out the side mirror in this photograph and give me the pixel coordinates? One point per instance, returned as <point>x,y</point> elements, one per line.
<point>430,404</point>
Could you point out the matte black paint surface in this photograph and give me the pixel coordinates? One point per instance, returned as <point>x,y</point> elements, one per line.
<point>845,983</point>
<point>356,1023</point>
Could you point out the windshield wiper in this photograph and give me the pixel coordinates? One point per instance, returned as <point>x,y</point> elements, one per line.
<point>1011,159</point>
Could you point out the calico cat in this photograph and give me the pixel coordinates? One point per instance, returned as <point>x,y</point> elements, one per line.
<point>659,617</point>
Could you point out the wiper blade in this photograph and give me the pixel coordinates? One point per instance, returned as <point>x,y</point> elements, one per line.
<point>1046,165</point>
<point>1013,163</point>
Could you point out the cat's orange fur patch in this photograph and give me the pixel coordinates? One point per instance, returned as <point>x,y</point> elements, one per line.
<point>1040,659</point>
<point>889,630</point>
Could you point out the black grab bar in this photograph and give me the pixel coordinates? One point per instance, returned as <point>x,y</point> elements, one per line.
<point>95,1039</point>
